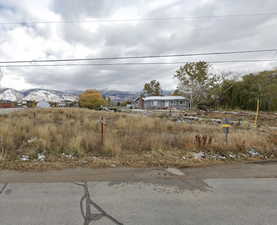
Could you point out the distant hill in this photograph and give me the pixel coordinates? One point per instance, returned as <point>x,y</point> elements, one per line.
<point>119,96</point>
<point>39,94</point>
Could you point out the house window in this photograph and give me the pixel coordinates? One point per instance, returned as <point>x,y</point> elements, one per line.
<point>155,103</point>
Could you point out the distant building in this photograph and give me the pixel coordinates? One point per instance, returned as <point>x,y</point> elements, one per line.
<point>61,104</point>
<point>164,102</point>
<point>138,103</point>
<point>68,103</point>
<point>43,104</point>
<point>7,104</point>
<point>115,98</point>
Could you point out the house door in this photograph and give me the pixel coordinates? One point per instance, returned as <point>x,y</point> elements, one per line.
<point>166,104</point>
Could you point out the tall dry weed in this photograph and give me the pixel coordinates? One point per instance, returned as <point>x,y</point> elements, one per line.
<point>78,132</point>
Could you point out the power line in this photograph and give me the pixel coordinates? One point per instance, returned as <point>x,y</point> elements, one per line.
<point>140,57</point>
<point>149,19</point>
<point>136,63</point>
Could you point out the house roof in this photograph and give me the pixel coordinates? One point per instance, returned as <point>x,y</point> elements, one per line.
<point>149,98</point>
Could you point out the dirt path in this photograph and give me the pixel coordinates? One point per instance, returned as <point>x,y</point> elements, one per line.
<point>240,170</point>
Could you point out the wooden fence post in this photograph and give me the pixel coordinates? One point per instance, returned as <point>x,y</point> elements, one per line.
<point>102,130</point>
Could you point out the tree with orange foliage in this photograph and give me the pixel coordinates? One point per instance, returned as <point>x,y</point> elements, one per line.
<point>91,99</point>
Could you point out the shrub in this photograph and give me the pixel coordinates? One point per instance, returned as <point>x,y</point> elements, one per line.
<point>91,99</point>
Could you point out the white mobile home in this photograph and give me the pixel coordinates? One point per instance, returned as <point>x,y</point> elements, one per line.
<point>165,102</point>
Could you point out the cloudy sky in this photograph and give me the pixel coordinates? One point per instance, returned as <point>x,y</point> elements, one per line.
<point>109,28</point>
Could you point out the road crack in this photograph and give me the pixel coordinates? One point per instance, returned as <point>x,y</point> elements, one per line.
<point>86,211</point>
<point>3,188</point>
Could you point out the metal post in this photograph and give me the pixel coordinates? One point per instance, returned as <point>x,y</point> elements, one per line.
<point>226,126</point>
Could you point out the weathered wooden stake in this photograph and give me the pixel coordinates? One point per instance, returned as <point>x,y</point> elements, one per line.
<point>257,112</point>
<point>102,130</point>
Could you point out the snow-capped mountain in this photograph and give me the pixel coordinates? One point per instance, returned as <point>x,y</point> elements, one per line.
<point>10,95</point>
<point>48,95</point>
<point>36,95</point>
<point>59,96</point>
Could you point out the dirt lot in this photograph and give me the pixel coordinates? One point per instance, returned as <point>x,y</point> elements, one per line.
<point>69,138</point>
<point>243,118</point>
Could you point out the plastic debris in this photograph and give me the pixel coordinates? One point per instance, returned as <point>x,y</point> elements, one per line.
<point>253,153</point>
<point>68,156</point>
<point>232,156</point>
<point>41,157</point>
<point>217,157</point>
<point>198,155</point>
<point>31,140</point>
<point>24,158</point>
<point>221,157</point>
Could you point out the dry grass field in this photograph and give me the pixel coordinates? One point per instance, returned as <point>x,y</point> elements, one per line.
<point>42,138</point>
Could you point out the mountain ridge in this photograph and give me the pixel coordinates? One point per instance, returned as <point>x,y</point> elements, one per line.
<point>50,95</point>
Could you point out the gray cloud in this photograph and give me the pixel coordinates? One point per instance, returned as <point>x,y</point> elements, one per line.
<point>72,9</point>
<point>136,38</point>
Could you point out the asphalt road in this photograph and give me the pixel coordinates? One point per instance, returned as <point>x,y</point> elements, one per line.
<point>224,195</point>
